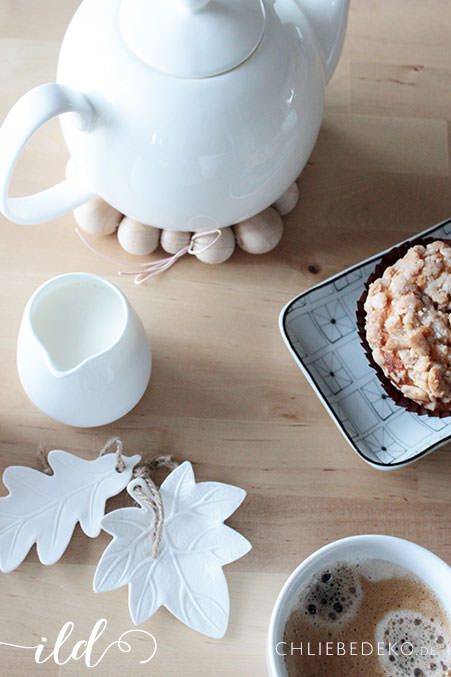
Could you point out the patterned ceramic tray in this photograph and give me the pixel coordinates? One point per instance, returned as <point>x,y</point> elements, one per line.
<point>319,327</point>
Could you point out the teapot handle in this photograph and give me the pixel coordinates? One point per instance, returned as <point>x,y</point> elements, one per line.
<point>29,113</point>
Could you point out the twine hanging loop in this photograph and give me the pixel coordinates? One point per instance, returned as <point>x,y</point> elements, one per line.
<point>145,491</point>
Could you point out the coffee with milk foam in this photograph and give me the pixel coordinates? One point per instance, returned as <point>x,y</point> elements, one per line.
<point>367,618</point>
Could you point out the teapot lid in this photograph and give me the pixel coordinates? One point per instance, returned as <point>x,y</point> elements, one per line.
<point>192,38</point>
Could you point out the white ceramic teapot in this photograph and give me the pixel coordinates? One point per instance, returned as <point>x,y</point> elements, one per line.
<point>183,114</point>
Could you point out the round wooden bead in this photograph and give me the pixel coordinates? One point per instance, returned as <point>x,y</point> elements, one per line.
<point>97,217</point>
<point>288,201</point>
<point>137,238</point>
<point>172,241</point>
<point>261,233</point>
<point>218,252</point>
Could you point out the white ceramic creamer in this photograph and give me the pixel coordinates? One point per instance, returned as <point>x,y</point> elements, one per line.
<point>83,355</point>
<point>183,114</point>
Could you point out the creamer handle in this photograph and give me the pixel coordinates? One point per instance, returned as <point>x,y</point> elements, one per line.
<point>29,113</point>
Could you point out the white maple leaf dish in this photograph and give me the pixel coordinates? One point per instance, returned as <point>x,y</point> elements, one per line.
<point>187,577</point>
<point>44,509</point>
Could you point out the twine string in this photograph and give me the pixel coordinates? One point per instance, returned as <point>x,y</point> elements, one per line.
<point>109,446</point>
<point>152,499</point>
<point>106,449</point>
<point>164,461</point>
<point>149,496</point>
<point>149,269</point>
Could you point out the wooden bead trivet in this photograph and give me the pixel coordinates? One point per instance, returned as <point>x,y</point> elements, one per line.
<point>257,235</point>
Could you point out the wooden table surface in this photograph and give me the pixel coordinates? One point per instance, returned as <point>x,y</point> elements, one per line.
<point>225,393</point>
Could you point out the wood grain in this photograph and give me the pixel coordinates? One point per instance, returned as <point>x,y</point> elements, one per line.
<point>225,393</point>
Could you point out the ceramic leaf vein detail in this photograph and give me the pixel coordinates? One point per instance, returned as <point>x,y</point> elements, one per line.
<point>187,578</point>
<point>44,509</point>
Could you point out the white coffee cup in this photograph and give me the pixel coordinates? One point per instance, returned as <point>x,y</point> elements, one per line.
<point>83,355</point>
<point>419,561</point>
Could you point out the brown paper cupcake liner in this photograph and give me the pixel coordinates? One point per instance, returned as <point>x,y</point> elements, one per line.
<point>390,389</point>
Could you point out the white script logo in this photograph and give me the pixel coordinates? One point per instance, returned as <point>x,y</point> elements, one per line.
<point>83,649</point>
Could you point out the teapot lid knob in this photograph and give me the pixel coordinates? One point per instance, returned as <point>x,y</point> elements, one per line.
<point>192,38</point>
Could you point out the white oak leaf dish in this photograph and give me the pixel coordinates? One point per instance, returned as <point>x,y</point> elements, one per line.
<point>44,509</point>
<point>187,577</point>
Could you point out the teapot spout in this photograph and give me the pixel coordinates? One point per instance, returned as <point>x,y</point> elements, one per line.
<point>328,19</point>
